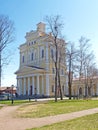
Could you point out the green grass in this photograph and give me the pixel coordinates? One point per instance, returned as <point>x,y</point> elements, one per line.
<point>51,108</point>
<point>16,102</point>
<point>89,122</point>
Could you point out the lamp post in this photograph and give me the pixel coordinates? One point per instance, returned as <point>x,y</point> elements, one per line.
<point>12,94</point>
<point>35,94</point>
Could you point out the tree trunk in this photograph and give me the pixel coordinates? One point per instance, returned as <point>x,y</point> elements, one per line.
<point>69,90</point>
<point>69,82</point>
<point>59,82</point>
<point>56,67</point>
<point>56,88</point>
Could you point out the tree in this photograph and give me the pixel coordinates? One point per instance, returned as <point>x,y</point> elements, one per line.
<point>61,58</point>
<point>55,26</point>
<point>71,64</point>
<point>85,61</point>
<point>6,36</point>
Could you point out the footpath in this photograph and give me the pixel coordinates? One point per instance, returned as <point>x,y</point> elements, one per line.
<point>8,122</point>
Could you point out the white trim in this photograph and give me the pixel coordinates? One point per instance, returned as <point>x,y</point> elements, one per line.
<point>42,86</point>
<point>29,75</point>
<point>24,86</point>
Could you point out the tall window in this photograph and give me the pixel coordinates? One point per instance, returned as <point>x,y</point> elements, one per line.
<point>32,56</point>
<point>62,72</point>
<point>22,59</point>
<point>53,70</point>
<point>42,53</point>
<point>52,88</point>
<point>51,53</point>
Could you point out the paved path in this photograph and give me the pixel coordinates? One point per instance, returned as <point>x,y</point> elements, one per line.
<point>7,122</point>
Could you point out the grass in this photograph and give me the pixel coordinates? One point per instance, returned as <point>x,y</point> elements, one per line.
<point>89,122</point>
<point>51,108</point>
<point>0,107</point>
<point>16,102</point>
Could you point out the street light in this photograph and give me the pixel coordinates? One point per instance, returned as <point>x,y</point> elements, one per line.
<point>12,94</point>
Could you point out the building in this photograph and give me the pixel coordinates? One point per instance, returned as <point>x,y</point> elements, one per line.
<point>9,90</point>
<point>36,74</point>
<point>85,87</point>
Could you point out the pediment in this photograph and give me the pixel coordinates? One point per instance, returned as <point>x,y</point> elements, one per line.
<point>30,69</point>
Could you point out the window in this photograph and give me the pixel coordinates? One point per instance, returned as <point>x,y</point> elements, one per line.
<point>34,42</point>
<point>53,71</point>
<point>42,53</point>
<point>51,53</point>
<point>52,88</point>
<point>62,72</point>
<point>23,59</point>
<point>32,56</point>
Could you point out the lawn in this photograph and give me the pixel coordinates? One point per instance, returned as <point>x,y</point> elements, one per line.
<point>89,122</point>
<point>51,108</point>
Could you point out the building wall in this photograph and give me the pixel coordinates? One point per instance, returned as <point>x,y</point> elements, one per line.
<point>35,74</point>
<point>79,88</point>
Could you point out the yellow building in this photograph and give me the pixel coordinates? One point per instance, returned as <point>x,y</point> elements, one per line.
<point>36,74</point>
<point>80,89</point>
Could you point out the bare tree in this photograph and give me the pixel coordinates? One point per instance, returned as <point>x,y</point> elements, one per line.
<point>85,60</point>
<point>6,36</point>
<point>55,26</point>
<point>71,58</point>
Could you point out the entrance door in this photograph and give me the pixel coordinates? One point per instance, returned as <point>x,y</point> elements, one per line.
<point>30,90</point>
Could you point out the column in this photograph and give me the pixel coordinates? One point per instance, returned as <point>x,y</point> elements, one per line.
<point>42,86</point>
<point>33,86</point>
<point>47,84</point>
<point>18,87</point>
<point>38,84</point>
<point>24,86</point>
<point>47,57</point>
<point>28,85</point>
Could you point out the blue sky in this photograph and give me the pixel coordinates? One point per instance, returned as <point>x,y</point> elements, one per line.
<point>80,18</point>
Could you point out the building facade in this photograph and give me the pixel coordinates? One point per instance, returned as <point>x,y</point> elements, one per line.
<point>36,74</point>
<point>82,89</point>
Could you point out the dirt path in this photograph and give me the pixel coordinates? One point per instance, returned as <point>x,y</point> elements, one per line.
<point>7,122</point>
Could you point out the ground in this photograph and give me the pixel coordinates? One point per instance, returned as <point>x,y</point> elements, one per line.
<point>8,122</point>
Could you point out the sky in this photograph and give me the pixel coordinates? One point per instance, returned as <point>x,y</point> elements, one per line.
<point>80,18</point>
